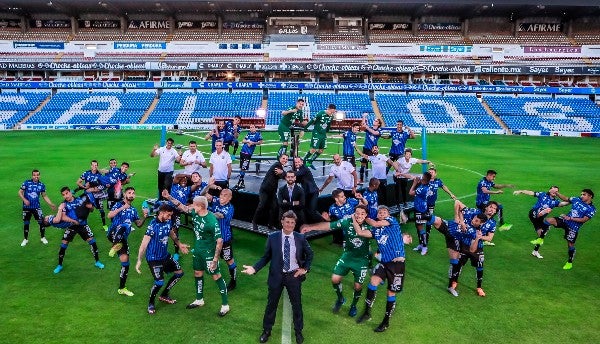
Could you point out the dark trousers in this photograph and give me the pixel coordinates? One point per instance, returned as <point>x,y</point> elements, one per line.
<point>401,185</point>
<point>223,184</point>
<point>294,289</point>
<point>165,181</point>
<point>267,204</point>
<point>312,215</point>
<point>381,192</point>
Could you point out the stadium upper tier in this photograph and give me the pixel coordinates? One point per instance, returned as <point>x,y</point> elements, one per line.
<point>432,111</point>
<point>545,113</point>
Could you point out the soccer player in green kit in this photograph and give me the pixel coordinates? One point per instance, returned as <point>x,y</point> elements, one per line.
<point>318,142</point>
<point>355,257</point>
<point>207,248</point>
<point>289,116</point>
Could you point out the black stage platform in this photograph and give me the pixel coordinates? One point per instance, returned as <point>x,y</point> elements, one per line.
<point>245,201</point>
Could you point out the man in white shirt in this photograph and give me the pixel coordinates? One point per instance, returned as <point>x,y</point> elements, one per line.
<point>345,173</point>
<point>192,159</point>
<point>380,163</point>
<point>220,168</point>
<point>167,158</point>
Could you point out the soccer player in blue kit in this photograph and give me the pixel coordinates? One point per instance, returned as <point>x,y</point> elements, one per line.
<point>484,190</point>
<point>123,214</point>
<point>421,190</point>
<point>76,211</point>
<point>349,143</point>
<point>371,138</point>
<point>546,201</point>
<point>390,241</point>
<point>232,130</point>
<point>582,210</point>
<point>30,193</point>
<point>399,138</point>
<point>252,139</point>
<point>154,247</point>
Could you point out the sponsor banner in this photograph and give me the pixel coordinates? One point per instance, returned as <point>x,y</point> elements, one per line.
<point>10,23</point>
<point>172,65</point>
<point>390,26</point>
<point>196,25</point>
<point>440,26</point>
<point>541,27</point>
<point>149,24</point>
<point>95,126</point>
<point>341,47</point>
<point>39,45</point>
<point>139,45</point>
<point>446,48</point>
<point>50,23</point>
<point>99,24</point>
<point>292,30</point>
<point>298,86</point>
<point>244,25</point>
<point>551,50</point>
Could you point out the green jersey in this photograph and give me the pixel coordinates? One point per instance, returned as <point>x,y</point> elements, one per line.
<point>290,118</point>
<point>322,122</point>
<point>206,231</point>
<point>354,245</point>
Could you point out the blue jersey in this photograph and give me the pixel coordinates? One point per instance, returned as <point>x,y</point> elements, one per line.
<point>91,177</point>
<point>544,201</point>
<point>124,218</point>
<point>225,222</point>
<point>487,227</point>
<point>422,193</point>
<point>343,211</point>
<point>252,137</point>
<point>230,132</point>
<point>77,210</point>
<point>114,176</point>
<point>389,240</point>
<point>579,209</point>
<point>180,193</point>
<point>465,237</point>
<point>371,140</point>
<point>198,190</point>
<point>159,240</point>
<point>372,199</point>
<point>349,142</point>
<point>220,135</point>
<point>483,198</point>
<point>434,185</point>
<point>32,192</point>
<point>399,142</point>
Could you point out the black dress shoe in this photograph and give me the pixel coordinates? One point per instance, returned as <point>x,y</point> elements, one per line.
<point>299,338</point>
<point>264,336</point>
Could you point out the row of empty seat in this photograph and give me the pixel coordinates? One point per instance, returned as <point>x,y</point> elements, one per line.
<point>524,112</point>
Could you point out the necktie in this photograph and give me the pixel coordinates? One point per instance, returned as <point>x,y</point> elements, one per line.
<point>286,254</point>
<point>290,192</point>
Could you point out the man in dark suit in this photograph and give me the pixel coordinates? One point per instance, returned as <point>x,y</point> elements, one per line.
<point>291,197</point>
<point>286,270</point>
<point>267,193</point>
<point>311,191</point>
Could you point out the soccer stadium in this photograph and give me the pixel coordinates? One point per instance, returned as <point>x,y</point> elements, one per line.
<point>504,86</point>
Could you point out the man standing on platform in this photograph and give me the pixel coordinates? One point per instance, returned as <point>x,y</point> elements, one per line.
<point>220,167</point>
<point>167,158</point>
<point>289,116</point>
<point>192,159</point>
<point>346,175</point>
<point>252,139</point>
<point>267,193</point>
<point>318,142</point>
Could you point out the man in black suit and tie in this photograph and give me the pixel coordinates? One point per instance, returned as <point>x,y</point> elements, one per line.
<point>291,197</point>
<point>267,204</point>
<point>311,191</point>
<point>290,256</point>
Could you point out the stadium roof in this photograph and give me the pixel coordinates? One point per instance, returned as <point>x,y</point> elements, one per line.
<point>264,8</point>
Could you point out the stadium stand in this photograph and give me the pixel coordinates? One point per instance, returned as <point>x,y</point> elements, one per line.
<point>434,111</point>
<point>187,107</point>
<point>98,107</point>
<point>525,112</point>
<point>15,106</point>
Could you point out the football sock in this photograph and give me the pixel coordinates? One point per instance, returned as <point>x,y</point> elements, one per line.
<point>479,274</point>
<point>154,291</point>
<point>282,150</point>
<point>103,216</point>
<point>26,230</point>
<point>338,291</point>
<point>307,158</point>
<point>453,272</point>
<point>222,289</point>
<point>94,249</point>
<point>123,274</point>
<point>356,297</point>
<point>422,237</point>
<point>389,308</point>
<point>199,287</point>
<point>314,157</point>
<point>172,281</point>
<point>370,298</point>
<point>233,271</point>
<point>571,254</point>
<point>61,253</point>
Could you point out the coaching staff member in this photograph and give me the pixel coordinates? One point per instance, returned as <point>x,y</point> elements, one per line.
<point>290,256</point>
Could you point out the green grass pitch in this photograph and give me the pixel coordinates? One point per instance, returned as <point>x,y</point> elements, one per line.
<point>528,300</point>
